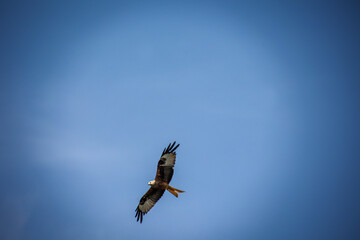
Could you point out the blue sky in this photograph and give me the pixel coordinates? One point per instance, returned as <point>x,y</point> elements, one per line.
<point>263,97</point>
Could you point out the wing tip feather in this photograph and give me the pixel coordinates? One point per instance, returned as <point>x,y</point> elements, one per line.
<point>139,215</point>
<point>170,148</point>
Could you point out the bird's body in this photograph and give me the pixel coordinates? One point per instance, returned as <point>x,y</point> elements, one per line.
<point>164,173</point>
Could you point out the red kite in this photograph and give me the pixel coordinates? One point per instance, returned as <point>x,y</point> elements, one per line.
<point>164,173</point>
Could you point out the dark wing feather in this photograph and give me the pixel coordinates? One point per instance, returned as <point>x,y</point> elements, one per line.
<point>148,201</point>
<point>165,168</point>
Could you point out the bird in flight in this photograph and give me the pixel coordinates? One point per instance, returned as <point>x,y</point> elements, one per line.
<point>164,173</point>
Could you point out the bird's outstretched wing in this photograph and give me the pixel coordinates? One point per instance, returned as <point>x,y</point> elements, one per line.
<point>165,168</point>
<point>148,201</point>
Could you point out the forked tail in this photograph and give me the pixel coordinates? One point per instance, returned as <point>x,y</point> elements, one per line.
<point>174,191</point>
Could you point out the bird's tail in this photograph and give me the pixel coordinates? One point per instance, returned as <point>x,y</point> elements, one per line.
<point>174,191</point>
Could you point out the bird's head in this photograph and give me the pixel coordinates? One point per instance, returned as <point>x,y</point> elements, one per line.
<point>151,183</point>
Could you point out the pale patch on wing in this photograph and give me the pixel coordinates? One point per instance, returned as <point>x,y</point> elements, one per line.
<point>147,206</point>
<point>169,160</point>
